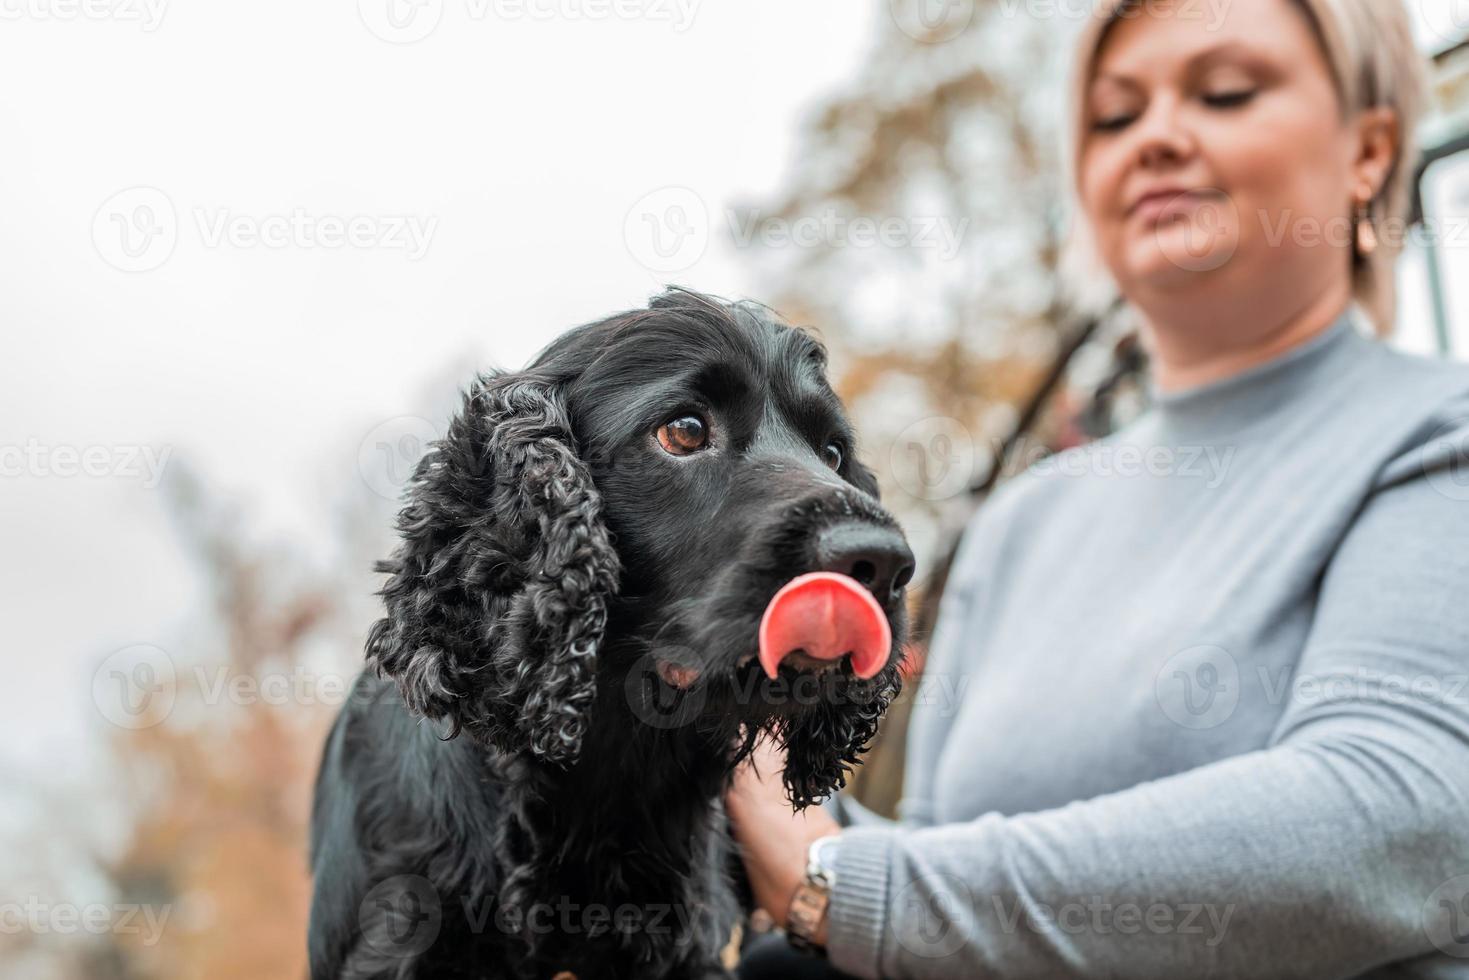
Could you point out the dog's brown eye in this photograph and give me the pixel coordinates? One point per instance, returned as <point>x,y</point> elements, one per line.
<point>683,435</point>
<point>832,455</point>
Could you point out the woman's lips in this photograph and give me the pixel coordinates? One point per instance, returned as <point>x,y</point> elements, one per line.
<point>1154,208</point>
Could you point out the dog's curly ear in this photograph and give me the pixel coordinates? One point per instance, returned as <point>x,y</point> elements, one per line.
<point>497,595</point>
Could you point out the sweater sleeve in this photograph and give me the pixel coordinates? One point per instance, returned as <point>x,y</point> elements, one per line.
<point>845,810</point>
<point>1339,847</point>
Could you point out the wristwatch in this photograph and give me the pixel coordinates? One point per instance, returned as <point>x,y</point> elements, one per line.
<point>808,904</point>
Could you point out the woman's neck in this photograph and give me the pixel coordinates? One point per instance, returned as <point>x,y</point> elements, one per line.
<point>1193,349</point>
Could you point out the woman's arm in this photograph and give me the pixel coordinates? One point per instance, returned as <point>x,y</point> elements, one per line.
<point>773,840</point>
<point>1338,848</point>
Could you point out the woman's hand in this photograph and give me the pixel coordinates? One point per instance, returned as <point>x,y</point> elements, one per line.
<point>773,838</point>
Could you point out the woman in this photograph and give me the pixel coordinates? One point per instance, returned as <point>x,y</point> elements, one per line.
<point>1209,710</point>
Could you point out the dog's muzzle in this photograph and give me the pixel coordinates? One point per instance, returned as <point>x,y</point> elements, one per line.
<point>839,611</point>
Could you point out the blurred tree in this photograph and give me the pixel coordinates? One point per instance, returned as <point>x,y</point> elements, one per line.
<point>948,330</point>
<point>216,795</point>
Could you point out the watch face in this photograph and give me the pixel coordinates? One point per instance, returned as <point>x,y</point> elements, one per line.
<point>826,852</point>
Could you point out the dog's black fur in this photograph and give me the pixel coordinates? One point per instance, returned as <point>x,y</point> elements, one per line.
<point>552,555</point>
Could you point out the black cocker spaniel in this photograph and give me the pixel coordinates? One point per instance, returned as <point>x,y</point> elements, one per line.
<point>618,569</point>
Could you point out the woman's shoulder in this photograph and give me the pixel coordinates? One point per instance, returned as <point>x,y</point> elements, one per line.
<point>1432,404</point>
<point>1442,373</point>
<point>1399,413</point>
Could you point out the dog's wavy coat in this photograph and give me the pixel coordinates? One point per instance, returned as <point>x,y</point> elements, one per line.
<point>578,601</point>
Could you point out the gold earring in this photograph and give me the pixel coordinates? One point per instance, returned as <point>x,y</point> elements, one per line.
<point>1366,234</point>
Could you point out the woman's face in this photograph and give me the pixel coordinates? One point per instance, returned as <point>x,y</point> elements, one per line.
<point>1231,119</point>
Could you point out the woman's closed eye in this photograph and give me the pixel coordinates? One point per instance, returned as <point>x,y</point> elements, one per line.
<point>1229,100</point>
<point>1112,124</point>
<point>1232,99</point>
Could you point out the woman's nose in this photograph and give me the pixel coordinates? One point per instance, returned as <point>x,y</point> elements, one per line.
<point>1162,135</point>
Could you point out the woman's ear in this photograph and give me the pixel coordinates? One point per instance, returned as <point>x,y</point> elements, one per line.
<point>1379,137</point>
<point>497,595</point>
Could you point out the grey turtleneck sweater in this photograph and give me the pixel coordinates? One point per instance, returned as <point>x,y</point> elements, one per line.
<point>1197,703</point>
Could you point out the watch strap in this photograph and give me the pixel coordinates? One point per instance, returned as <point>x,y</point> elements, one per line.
<point>810,900</point>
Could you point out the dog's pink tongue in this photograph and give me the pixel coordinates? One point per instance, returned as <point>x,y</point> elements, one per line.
<point>825,615</point>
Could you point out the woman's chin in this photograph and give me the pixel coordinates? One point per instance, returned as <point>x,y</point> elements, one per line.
<point>1168,262</point>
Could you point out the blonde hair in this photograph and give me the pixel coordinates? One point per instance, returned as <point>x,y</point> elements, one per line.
<point>1374,62</point>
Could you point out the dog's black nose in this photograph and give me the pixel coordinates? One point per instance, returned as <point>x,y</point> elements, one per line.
<point>876,556</point>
